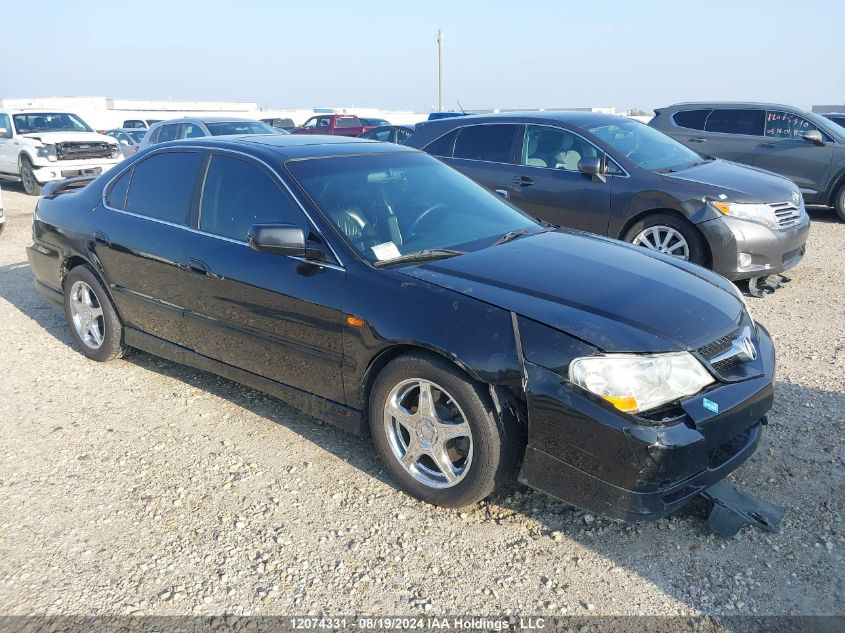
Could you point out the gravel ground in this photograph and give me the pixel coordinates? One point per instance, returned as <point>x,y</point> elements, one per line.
<point>141,486</point>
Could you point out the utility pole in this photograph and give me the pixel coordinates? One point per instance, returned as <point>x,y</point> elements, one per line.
<point>439,70</point>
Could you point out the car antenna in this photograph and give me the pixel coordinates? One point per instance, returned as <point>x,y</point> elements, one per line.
<point>460,106</point>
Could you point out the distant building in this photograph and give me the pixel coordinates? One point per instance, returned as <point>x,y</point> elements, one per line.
<point>829,108</point>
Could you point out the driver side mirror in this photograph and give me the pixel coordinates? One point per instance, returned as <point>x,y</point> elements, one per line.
<point>814,137</point>
<point>591,166</point>
<point>282,239</point>
<point>5,133</point>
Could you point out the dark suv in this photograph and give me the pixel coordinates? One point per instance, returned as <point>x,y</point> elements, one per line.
<point>615,176</point>
<point>806,147</point>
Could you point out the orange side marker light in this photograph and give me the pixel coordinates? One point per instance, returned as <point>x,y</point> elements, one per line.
<point>355,321</point>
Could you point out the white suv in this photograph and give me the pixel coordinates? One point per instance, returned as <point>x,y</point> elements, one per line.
<point>37,147</point>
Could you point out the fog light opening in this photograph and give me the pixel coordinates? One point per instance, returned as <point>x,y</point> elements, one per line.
<point>744,260</point>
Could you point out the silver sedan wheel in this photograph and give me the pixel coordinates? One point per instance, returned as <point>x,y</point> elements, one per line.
<point>428,433</point>
<point>87,314</point>
<point>664,239</point>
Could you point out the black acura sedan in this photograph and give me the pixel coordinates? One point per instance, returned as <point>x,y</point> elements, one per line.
<point>378,289</point>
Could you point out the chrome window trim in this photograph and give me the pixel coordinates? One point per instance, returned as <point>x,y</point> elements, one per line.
<point>170,149</point>
<point>624,173</point>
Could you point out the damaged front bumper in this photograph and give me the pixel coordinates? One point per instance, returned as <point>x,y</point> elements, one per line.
<point>583,451</point>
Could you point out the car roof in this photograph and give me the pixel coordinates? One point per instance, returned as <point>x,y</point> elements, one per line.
<point>573,117</point>
<point>293,146</point>
<point>733,104</point>
<point>209,119</point>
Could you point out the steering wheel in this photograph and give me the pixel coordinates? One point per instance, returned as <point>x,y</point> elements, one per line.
<point>439,207</point>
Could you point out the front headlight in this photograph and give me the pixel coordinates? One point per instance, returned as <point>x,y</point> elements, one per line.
<point>760,213</point>
<point>635,383</point>
<point>48,152</point>
<point>115,151</point>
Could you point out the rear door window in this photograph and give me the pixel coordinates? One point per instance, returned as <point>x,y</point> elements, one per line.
<point>163,185</point>
<point>491,143</point>
<point>736,121</point>
<point>444,145</point>
<point>691,119</point>
<point>168,132</point>
<point>238,194</point>
<point>347,121</point>
<point>116,196</point>
<point>191,130</point>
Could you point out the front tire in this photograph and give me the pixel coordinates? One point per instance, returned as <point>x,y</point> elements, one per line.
<point>30,184</point>
<point>839,203</point>
<point>93,322</point>
<point>671,235</point>
<point>437,432</point>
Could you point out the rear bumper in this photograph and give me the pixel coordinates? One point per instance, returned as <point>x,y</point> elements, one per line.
<point>584,452</point>
<point>771,251</point>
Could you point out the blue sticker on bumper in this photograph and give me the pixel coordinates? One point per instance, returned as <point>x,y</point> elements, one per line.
<point>710,405</point>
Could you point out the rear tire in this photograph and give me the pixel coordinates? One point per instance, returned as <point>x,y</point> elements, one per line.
<point>30,184</point>
<point>436,401</point>
<point>684,237</point>
<point>839,203</point>
<point>91,317</point>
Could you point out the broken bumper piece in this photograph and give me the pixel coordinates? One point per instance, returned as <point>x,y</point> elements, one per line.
<point>733,509</point>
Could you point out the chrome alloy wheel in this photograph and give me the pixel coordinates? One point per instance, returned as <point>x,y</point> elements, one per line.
<point>428,433</point>
<point>664,239</point>
<point>87,315</point>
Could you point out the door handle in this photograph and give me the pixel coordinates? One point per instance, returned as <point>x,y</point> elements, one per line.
<point>197,267</point>
<point>766,145</point>
<point>503,192</point>
<point>697,139</point>
<point>523,181</point>
<point>101,238</point>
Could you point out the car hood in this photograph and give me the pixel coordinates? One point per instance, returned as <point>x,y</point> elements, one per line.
<point>51,138</point>
<point>738,183</point>
<point>617,297</point>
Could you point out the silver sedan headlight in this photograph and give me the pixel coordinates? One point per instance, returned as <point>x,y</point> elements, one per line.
<point>759,213</point>
<point>635,383</point>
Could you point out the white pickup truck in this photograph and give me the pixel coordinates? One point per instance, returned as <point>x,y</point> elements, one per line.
<point>38,147</point>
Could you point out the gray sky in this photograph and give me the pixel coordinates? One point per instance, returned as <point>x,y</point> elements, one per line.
<point>497,54</point>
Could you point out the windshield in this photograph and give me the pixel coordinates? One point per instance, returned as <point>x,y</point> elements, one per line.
<point>136,135</point>
<point>223,128</point>
<point>390,205</point>
<point>49,122</point>
<point>646,147</point>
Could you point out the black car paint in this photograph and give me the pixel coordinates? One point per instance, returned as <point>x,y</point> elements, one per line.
<point>607,208</point>
<point>511,316</point>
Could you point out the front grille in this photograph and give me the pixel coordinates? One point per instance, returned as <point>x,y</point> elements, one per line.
<point>77,151</point>
<point>792,254</point>
<point>787,214</point>
<point>719,346</point>
<point>726,363</point>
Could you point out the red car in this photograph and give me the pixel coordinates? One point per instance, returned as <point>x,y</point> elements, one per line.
<point>333,124</point>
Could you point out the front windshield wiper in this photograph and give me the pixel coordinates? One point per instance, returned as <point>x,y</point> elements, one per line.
<point>420,256</point>
<point>510,236</point>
